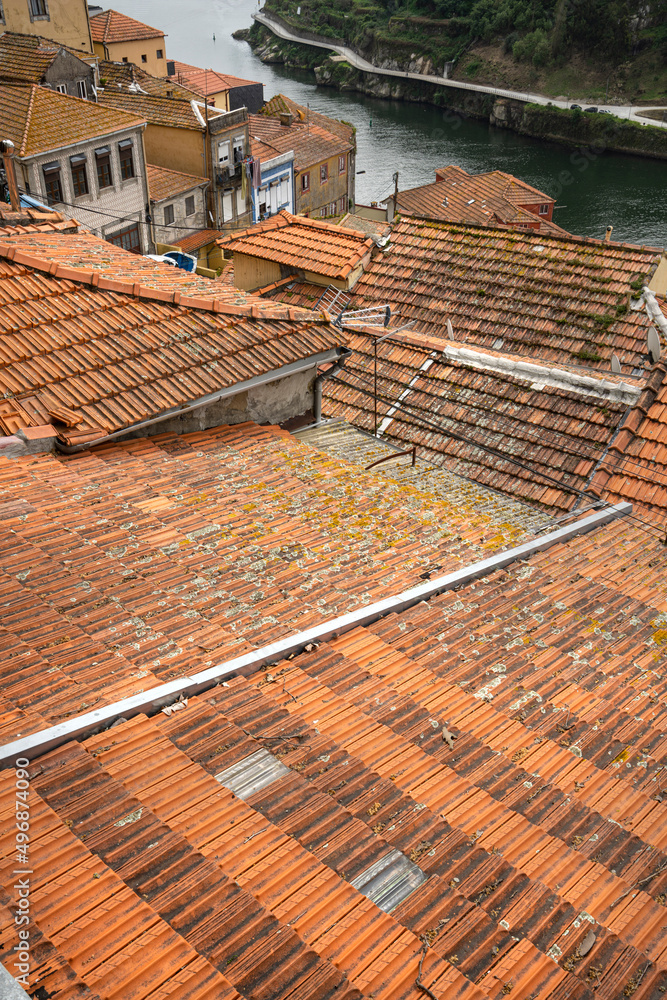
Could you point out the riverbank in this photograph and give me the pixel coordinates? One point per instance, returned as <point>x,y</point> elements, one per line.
<point>571,128</point>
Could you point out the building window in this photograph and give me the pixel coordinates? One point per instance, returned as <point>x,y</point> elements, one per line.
<point>79,175</point>
<point>159,53</point>
<point>81,89</point>
<point>324,173</point>
<point>144,58</point>
<point>544,209</point>
<point>332,208</point>
<point>168,215</point>
<point>341,205</point>
<point>54,190</point>
<point>305,182</point>
<point>124,60</point>
<point>61,88</point>
<point>126,159</point>
<point>190,206</point>
<point>2,14</point>
<point>38,10</point>
<point>323,213</point>
<point>341,164</point>
<point>103,160</point>
<point>238,148</point>
<point>223,153</point>
<point>128,239</point>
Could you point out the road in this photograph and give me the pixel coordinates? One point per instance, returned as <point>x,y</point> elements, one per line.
<point>632,113</point>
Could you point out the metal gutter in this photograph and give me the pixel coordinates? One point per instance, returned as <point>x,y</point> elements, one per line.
<point>156,698</point>
<point>334,354</point>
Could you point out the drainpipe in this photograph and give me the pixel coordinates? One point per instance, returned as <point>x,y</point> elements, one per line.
<point>10,172</point>
<point>317,388</point>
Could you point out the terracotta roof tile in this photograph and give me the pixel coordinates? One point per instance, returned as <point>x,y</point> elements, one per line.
<point>315,810</point>
<point>111,27</point>
<point>116,338</point>
<point>551,299</point>
<point>199,239</point>
<point>479,199</point>
<point>172,112</point>
<point>311,141</point>
<point>127,77</point>
<point>205,81</point>
<point>279,103</point>
<point>164,183</point>
<point>28,57</point>
<point>34,220</point>
<point>307,244</point>
<point>481,416</point>
<point>38,119</point>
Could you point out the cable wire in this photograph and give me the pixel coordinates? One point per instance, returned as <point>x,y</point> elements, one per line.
<point>496,453</point>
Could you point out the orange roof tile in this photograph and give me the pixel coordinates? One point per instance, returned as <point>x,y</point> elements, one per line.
<point>481,199</point>
<point>310,141</point>
<point>33,220</point>
<point>307,244</point>
<point>280,103</point>
<point>537,435</point>
<point>172,112</point>
<point>122,339</point>
<point>205,81</point>
<point>38,120</point>
<point>120,76</point>
<point>552,299</point>
<point>111,27</point>
<point>635,467</point>
<point>28,57</point>
<point>199,239</point>
<point>164,183</point>
<point>463,796</point>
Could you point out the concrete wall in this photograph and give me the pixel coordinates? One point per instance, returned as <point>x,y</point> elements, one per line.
<point>251,272</point>
<point>124,199</point>
<point>176,148</point>
<point>272,403</point>
<point>317,202</point>
<point>133,51</point>
<point>66,70</point>
<point>183,225</point>
<point>66,21</point>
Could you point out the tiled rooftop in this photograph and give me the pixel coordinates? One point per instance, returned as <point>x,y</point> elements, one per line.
<point>305,244</point>
<point>636,466</point>
<point>463,797</point>
<point>110,27</point>
<point>34,220</point>
<point>546,298</point>
<point>279,103</point>
<point>164,183</point>
<point>537,435</point>
<point>28,57</point>
<point>38,119</point>
<point>141,561</point>
<point>95,339</point>
<point>478,199</point>
<point>172,112</point>
<point>199,239</point>
<point>311,141</point>
<point>120,76</point>
<point>205,81</point>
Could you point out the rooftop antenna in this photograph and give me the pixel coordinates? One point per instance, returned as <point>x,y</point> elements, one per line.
<point>653,345</point>
<point>615,365</point>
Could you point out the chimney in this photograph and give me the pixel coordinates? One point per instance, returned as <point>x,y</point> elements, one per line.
<point>607,235</point>
<point>286,118</point>
<point>10,173</point>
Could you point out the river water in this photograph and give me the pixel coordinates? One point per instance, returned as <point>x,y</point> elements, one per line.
<point>626,192</point>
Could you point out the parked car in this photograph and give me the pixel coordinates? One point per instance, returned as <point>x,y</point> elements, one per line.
<point>575,107</point>
<point>604,111</point>
<point>593,110</point>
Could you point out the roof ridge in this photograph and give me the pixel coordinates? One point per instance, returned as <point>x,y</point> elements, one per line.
<point>100,280</point>
<point>28,116</point>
